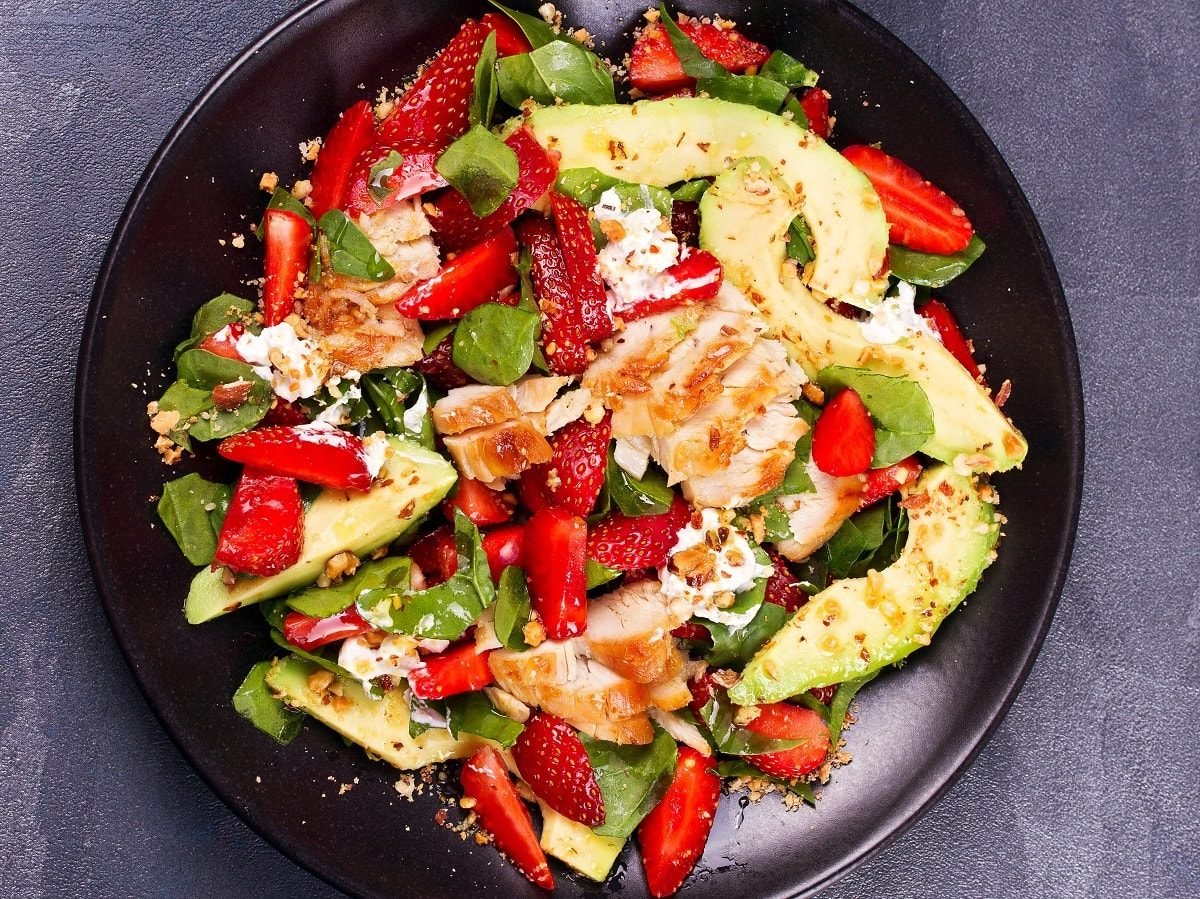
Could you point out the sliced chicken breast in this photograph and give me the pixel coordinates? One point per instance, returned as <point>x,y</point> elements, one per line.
<point>626,362</point>
<point>356,334</point>
<point>629,630</point>
<point>815,517</point>
<point>475,406</point>
<point>500,451</point>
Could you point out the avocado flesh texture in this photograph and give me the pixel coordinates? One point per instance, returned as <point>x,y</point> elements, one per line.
<point>660,142</point>
<point>337,520</point>
<point>577,845</point>
<point>858,625</point>
<point>744,218</point>
<point>380,726</point>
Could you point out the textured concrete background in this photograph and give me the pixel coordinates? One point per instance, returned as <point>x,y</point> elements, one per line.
<point>1089,788</point>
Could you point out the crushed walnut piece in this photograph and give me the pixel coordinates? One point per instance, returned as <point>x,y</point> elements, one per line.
<point>268,182</point>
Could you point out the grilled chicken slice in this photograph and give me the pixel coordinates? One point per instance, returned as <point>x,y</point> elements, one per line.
<point>636,730</point>
<point>356,333</point>
<point>499,451</point>
<point>672,694</point>
<point>815,517</point>
<point>475,406</point>
<point>534,394</point>
<point>537,398</point>
<point>626,362</point>
<point>401,234</point>
<point>629,630</point>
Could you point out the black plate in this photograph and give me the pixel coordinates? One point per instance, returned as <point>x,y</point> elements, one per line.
<point>919,729</point>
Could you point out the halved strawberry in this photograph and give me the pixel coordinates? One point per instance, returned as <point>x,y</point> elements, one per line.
<point>696,278</point>
<point>784,721</point>
<point>882,482</point>
<point>783,589</point>
<point>574,475</point>
<point>436,555</point>
<point>510,39</point>
<point>468,280</point>
<point>562,321</point>
<point>288,239</point>
<point>673,835</point>
<point>630,544</point>
<point>843,437</point>
<point>460,669</point>
<point>415,174</point>
<point>264,527</point>
<point>352,134</point>
<point>224,342</point>
<point>315,454</point>
<point>551,759</point>
<point>578,249</point>
<point>456,226</point>
<point>438,366</point>
<point>555,562</point>
<point>654,66</point>
<point>939,315</point>
<point>503,547</point>
<point>436,109</point>
<point>485,780</point>
<point>481,504</point>
<point>311,633</point>
<point>920,214</point>
<point>727,46</point>
<point>283,413</point>
<point>815,103</point>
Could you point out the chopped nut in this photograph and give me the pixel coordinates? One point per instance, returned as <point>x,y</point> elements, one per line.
<point>467,802</point>
<point>745,714</point>
<point>229,396</point>
<point>320,680</point>
<point>813,393</point>
<point>344,563</point>
<point>612,229</point>
<point>268,182</point>
<point>534,633</point>
<point>164,421</point>
<point>301,189</point>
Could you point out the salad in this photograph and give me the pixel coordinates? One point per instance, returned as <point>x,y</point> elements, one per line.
<point>609,446</point>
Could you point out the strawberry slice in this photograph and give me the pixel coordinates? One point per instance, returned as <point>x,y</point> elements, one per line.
<point>288,239</point>
<point>882,482</point>
<point>456,226</point>
<point>460,669</point>
<point>690,630</point>
<point>311,633</point>
<point>352,134</point>
<point>654,66</point>
<point>264,527</point>
<point>578,249</point>
<point>696,278</point>
<point>470,279</point>
<point>415,174</point>
<point>937,314</point>
<point>920,214</point>
<point>284,413</point>
<point>503,547</point>
<point>436,109</point>
<point>438,366</point>
<point>485,780</point>
<point>782,586</point>
<point>551,759</point>
<point>224,342</point>
<point>510,39</point>
<point>815,103</point>
<point>673,835</point>
<point>784,721</point>
<point>630,544</point>
<point>436,554</point>
<point>481,504</point>
<point>562,321</point>
<point>573,477</point>
<point>843,437</point>
<point>555,567</point>
<point>685,222</point>
<point>315,454</point>
<point>824,694</point>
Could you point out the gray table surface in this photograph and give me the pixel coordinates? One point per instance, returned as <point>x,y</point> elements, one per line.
<point>1089,788</point>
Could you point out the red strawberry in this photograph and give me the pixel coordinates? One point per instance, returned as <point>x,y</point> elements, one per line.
<point>438,366</point>
<point>288,239</point>
<point>435,110</point>
<point>503,547</point>
<point>485,780</point>
<point>695,278</point>
<point>562,321</point>
<point>436,555</point>
<point>815,103</point>
<point>654,67</point>
<point>726,46</point>
<point>946,325</point>
<point>578,249</point>
<point>673,835</point>
<point>317,455</point>
<point>784,721</point>
<point>628,544</point>
<point>456,226</point>
<point>283,413</point>
<point>415,174</point>
<point>510,39</point>
<point>312,633</point>
<point>882,482</point>
<point>460,669</point>
<point>264,527</point>
<point>843,437</point>
<point>224,342</point>
<point>685,222</point>
<point>824,694</point>
<point>782,587</point>
<point>574,475</point>
<point>352,134</point>
<point>920,214</point>
<point>690,630</point>
<point>551,759</point>
<point>468,280</point>
<point>481,504</point>
<point>555,562</point>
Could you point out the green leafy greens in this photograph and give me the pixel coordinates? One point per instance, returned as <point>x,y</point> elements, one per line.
<point>632,779</point>
<point>193,510</point>
<point>482,168</point>
<point>494,343</point>
<point>472,713</point>
<point>350,251</point>
<point>255,702</point>
<point>899,408</point>
<point>483,97</point>
<point>212,317</point>
<point>512,608</point>
<point>559,70</point>
<point>930,269</point>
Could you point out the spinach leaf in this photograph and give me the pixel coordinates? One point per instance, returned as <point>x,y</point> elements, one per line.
<point>691,191</point>
<point>695,63</point>
<point>350,251</point>
<point>483,97</point>
<point>930,269</point>
<point>749,90</point>
<point>734,647</point>
<point>472,713</point>
<point>742,768</point>
<point>380,173</point>
<point>325,657</point>
<point>598,575</point>
<point>494,343</point>
<point>788,71</point>
<point>632,779</point>
<point>587,184</point>
<point>873,538</point>
<point>191,396</point>
<point>400,397</point>
<point>648,496</point>
<point>256,703</point>
<point>193,510</point>
<point>730,739</point>
<point>555,71</point>
<point>394,572</point>
<point>799,242</point>
<point>283,199</point>
<point>899,408</point>
<point>273,612</point>
<point>807,700</point>
<point>841,704</point>
<point>212,317</point>
<point>512,608</point>
<point>482,168</point>
<point>535,29</point>
<point>793,107</point>
<point>434,338</point>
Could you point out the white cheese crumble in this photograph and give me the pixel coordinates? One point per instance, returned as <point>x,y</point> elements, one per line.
<point>376,447</point>
<point>395,657</point>
<point>895,318</point>
<point>632,264</point>
<point>338,412</point>
<point>295,368</point>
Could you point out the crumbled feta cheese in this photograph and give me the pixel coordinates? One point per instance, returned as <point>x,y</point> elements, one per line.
<point>640,248</point>
<point>414,418</point>
<point>338,412</point>
<point>376,446</point>
<point>894,318</point>
<point>395,656</point>
<point>294,367</point>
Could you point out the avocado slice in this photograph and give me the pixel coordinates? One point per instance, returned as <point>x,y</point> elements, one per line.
<point>744,219</point>
<point>577,845</point>
<point>380,726</point>
<point>660,142</point>
<point>416,480</point>
<point>859,625</point>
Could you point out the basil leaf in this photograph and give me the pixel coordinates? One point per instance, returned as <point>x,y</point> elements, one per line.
<point>535,29</point>
<point>649,496</point>
<point>512,608</point>
<point>483,97</point>
<point>730,739</point>
<point>841,704</point>
<point>193,509</point>
<point>283,199</point>
<point>556,71</point>
<point>212,317</point>
<point>380,173</point>
<point>599,575</point>
<point>899,408</point>
<point>734,647</point>
<point>632,779</point>
<point>799,242</point>
<point>809,701</point>
<point>319,657</point>
<point>494,343</point>
<point>482,168</point>
<point>256,703</point>
<point>350,251</point>
<point>788,71</point>
<point>695,63</point>
<point>930,269</point>
<point>472,713</point>
<point>400,398</point>
<point>742,768</point>
<point>776,525</point>
<point>587,184</point>
<point>691,191</point>
<point>393,572</point>
<point>749,90</point>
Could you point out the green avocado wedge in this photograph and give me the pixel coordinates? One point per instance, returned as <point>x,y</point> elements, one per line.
<point>858,625</point>
<point>415,480</point>
<point>744,218</point>
<point>661,142</point>
<point>577,845</point>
